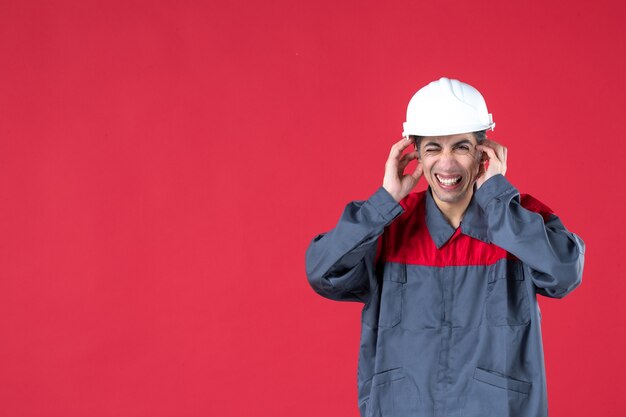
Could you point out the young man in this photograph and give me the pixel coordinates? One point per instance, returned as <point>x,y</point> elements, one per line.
<point>449,276</point>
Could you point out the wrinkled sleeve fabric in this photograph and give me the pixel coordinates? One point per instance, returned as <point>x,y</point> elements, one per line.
<point>340,263</point>
<point>554,255</point>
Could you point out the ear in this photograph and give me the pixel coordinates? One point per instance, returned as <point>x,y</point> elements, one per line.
<point>481,170</point>
<point>482,158</point>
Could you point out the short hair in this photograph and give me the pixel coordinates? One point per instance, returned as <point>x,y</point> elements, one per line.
<point>479,135</point>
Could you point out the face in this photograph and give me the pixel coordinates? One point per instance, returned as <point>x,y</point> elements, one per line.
<point>451,165</point>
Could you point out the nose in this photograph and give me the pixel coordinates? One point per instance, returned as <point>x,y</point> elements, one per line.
<point>446,158</point>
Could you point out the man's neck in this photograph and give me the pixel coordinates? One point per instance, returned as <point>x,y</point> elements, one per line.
<point>453,212</point>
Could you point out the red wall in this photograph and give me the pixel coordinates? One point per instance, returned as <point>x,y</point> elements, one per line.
<point>164,164</point>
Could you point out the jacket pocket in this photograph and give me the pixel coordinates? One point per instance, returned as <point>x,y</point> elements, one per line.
<point>507,300</point>
<point>491,393</point>
<point>501,381</point>
<point>392,294</point>
<point>393,394</point>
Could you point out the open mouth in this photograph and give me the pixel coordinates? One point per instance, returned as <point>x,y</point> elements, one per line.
<point>448,180</point>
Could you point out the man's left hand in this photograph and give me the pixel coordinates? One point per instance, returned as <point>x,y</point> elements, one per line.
<point>493,161</point>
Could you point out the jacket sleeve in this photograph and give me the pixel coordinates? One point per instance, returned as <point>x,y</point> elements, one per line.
<point>340,263</point>
<point>554,254</point>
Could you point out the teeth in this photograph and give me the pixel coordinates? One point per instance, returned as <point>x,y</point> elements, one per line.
<point>448,181</point>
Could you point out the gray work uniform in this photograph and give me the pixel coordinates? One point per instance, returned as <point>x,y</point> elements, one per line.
<point>450,324</point>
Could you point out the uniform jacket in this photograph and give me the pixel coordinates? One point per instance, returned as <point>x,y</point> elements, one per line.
<point>450,324</point>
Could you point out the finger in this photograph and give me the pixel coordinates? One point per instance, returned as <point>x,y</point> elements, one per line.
<point>398,147</point>
<point>406,159</point>
<point>503,161</point>
<point>500,149</point>
<point>418,171</point>
<point>491,154</point>
<point>409,156</point>
<point>490,143</point>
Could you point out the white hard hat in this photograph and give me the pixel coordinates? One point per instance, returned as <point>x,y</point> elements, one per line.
<point>446,107</point>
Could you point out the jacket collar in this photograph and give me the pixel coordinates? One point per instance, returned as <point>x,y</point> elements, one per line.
<point>473,223</point>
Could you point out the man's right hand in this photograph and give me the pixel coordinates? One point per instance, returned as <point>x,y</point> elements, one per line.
<point>396,182</point>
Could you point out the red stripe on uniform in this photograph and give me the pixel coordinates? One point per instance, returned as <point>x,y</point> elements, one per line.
<point>531,203</point>
<point>408,241</point>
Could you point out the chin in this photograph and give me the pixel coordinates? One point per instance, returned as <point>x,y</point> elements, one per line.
<point>453,197</point>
